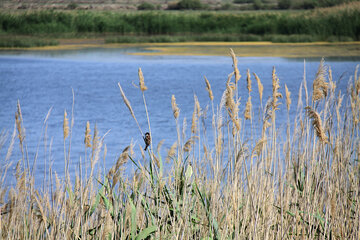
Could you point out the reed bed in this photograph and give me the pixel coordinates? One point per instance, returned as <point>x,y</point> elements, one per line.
<point>339,23</point>
<point>301,183</point>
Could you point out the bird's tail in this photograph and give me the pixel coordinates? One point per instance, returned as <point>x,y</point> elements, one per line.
<point>146,147</point>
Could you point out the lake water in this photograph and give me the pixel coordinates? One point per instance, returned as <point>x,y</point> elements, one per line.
<point>41,80</point>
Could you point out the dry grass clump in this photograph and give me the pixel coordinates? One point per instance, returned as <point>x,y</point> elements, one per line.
<point>233,184</point>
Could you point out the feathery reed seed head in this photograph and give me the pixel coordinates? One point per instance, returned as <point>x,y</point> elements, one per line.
<point>65,125</point>
<point>171,152</point>
<point>275,88</point>
<point>235,63</point>
<point>208,89</point>
<point>317,124</point>
<point>141,81</point>
<point>176,110</point>
<point>320,86</point>
<point>248,81</point>
<point>260,86</point>
<point>127,102</point>
<point>247,113</point>
<point>95,141</point>
<point>18,121</point>
<point>288,99</point>
<point>87,139</point>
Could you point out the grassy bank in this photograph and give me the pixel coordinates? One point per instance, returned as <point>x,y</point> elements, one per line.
<point>339,23</point>
<point>300,182</point>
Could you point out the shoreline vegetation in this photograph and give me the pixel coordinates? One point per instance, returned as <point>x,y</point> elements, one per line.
<point>36,28</point>
<point>297,181</point>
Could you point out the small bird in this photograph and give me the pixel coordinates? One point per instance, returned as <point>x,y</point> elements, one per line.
<point>147,140</point>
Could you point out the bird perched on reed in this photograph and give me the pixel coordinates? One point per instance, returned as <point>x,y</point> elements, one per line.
<point>147,140</point>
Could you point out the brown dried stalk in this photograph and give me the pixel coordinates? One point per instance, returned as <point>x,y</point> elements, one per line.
<point>317,124</point>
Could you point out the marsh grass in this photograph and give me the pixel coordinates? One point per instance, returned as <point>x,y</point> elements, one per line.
<point>339,23</point>
<point>303,183</point>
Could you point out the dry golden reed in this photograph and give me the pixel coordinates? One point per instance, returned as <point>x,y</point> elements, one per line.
<point>247,113</point>
<point>259,146</point>
<point>189,143</point>
<point>159,145</point>
<point>235,63</point>
<point>320,86</point>
<point>196,115</point>
<point>176,110</point>
<point>288,99</point>
<point>208,89</point>
<point>332,84</point>
<point>87,139</point>
<point>141,81</point>
<point>232,106</point>
<point>18,121</point>
<point>126,101</point>
<point>95,140</point>
<point>317,124</point>
<point>275,88</point>
<point>338,106</point>
<point>248,81</point>
<point>123,157</point>
<point>260,86</point>
<point>171,152</point>
<point>65,125</point>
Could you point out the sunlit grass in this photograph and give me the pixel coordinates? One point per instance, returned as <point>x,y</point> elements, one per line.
<point>302,182</point>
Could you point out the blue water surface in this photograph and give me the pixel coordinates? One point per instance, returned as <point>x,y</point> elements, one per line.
<point>43,80</point>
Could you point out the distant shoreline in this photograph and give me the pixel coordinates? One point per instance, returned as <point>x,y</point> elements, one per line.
<point>243,49</point>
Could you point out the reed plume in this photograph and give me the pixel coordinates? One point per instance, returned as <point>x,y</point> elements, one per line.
<point>275,88</point>
<point>288,99</point>
<point>171,152</point>
<point>260,86</point>
<point>317,124</point>
<point>158,147</point>
<point>259,146</point>
<point>208,89</point>
<point>320,86</point>
<point>141,81</point>
<point>248,81</point>
<point>196,115</point>
<point>87,139</point>
<point>332,84</point>
<point>176,110</point>
<point>65,125</point>
<point>19,121</point>
<point>247,113</point>
<point>232,106</point>
<point>128,105</point>
<point>235,63</point>
<point>189,143</point>
<point>95,140</point>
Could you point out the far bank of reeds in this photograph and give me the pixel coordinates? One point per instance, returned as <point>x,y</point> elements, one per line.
<point>339,23</point>
<point>298,182</point>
